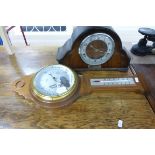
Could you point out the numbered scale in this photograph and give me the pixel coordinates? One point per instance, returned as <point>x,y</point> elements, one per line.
<point>113,82</point>
<point>57,85</point>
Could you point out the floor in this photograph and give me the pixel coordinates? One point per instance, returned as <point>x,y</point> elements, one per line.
<point>98,110</point>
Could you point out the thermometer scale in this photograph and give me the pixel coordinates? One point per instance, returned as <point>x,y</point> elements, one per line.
<point>108,82</point>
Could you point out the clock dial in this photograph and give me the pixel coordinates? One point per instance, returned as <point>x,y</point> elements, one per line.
<point>54,82</point>
<point>96,49</point>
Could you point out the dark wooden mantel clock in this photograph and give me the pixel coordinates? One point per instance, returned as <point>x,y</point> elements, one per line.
<point>98,53</point>
<point>93,48</point>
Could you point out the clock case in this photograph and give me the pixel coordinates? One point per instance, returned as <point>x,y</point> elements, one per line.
<point>68,54</point>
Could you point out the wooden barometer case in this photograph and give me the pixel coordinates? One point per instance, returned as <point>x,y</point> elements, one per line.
<point>57,86</point>
<point>93,48</point>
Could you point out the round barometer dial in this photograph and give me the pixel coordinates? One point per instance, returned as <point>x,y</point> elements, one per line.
<point>54,83</point>
<point>96,48</point>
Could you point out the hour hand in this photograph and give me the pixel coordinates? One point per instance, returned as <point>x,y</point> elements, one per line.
<point>95,49</point>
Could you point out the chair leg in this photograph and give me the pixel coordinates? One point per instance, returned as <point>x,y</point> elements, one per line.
<point>7,31</point>
<point>6,40</point>
<point>24,36</point>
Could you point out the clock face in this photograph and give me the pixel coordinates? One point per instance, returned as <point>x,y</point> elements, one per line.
<point>96,49</point>
<point>54,82</point>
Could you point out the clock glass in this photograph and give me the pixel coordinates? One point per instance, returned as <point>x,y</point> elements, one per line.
<point>96,48</point>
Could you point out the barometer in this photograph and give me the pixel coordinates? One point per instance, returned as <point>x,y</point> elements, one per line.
<point>52,86</point>
<point>57,86</point>
<point>54,83</point>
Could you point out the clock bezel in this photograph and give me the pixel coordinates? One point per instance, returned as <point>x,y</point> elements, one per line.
<point>87,40</point>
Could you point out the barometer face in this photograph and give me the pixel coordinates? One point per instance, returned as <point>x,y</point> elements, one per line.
<point>96,48</point>
<point>54,83</point>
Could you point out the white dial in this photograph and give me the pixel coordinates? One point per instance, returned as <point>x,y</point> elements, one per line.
<point>96,49</point>
<point>53,81</point>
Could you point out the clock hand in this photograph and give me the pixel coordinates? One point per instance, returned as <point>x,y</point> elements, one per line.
<point>95,49</point>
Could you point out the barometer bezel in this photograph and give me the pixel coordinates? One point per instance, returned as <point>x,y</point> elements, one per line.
<point>49,99</point>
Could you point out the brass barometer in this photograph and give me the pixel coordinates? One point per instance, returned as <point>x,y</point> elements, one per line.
<point>56,86</point>
<point>53,86</point>
<point>54,83</point>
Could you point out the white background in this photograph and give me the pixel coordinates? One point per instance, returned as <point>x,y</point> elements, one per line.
<point>71,13</point>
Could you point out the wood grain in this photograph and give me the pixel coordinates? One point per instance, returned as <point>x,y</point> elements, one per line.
<point>147,72</point>
<point>98,110</point>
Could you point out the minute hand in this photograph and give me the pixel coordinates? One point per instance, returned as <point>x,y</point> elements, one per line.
<point>95,49</point>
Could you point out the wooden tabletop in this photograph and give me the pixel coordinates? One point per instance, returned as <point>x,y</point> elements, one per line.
<point>97,110</point>
<point>147,71</point>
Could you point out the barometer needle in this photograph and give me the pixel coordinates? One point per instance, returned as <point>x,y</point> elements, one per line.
<point>54,78</point>
<point>63,80</point>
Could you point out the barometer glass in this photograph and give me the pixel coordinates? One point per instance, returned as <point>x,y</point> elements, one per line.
<point>54,83</point>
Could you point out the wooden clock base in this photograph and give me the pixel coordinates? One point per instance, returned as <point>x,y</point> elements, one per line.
<point>22,87</point>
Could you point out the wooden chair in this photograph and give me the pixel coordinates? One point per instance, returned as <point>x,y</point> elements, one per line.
<point>4,33</point>
<point>6,41</point>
